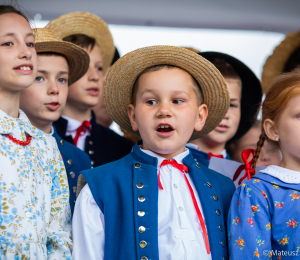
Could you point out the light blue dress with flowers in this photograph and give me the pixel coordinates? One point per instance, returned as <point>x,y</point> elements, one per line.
<point>34,194</point>
<point>264,216</point>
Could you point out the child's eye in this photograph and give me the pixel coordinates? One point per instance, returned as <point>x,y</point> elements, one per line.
<point>7,44</point>
<point>62,80</point>
<point>39,79</point>
<point>30,44</point>
<point>151,102</point>
<point>99,68</point>
<point>233,105</point>
<point>177,101</point>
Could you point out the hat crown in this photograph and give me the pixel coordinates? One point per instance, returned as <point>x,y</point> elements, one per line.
<point>46,35</point>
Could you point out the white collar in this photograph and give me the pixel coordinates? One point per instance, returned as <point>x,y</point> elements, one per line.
<point>73,124</point>
<point>196,147</point>
<point>52,131</point>
<point>160,159</point>
<point>283,174</point>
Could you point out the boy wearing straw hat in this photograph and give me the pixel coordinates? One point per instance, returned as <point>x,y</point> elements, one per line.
<point>157,202</point>
<point>59,64</point>
<point>78,123</point>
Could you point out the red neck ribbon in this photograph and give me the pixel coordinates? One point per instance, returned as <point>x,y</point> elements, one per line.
<point>184,170</point>
<point>215,155</point>
<point>81,130</point>
<point>249,171</point>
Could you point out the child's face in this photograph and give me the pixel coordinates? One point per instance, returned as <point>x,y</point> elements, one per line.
<point>166,111</point>
<point>18,61</point>
<point>230,123</point>
<point>45,99</point>
<point>85,93</point>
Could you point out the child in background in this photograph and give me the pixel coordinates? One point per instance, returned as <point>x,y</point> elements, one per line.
<point>78,123</point>
<point>59,65</point>
<point>269,155</point>
<point>264,213</point>
<point>34,194</point>
<point>245,97</point>
<point>157,202</point>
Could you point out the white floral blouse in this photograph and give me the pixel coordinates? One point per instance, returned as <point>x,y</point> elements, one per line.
<point>35,220</point>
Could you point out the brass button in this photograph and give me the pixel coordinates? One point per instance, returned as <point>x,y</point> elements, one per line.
<point>223,243</point>
<point>208,184</point>
<point>215,197</point>
<point>91,152</point>
<point>221,228</point>
<point>70,161</point>
<point>141,198</point>
<point>72,174</point>
<point>139,185</point>
<point>91,142</point>
<point>74,189</point>
<point>62,142</point>
<point>141,213</point>
<point>224,258</point>
<point>144,258</point>
<point>143,244</point>
<point>198,165</point>
<point>195,159</point>
<point>137,165</point>
<point>142,229</point>
<point>218,212</point>
<point>92,162</point>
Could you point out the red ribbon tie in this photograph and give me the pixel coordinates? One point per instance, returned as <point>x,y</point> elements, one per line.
<point>81,130</point>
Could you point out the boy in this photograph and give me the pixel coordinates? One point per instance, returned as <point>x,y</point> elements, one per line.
<point>78,123</point>
<point>245,97</point>
<point>157,202</point>
<point>59,64</point>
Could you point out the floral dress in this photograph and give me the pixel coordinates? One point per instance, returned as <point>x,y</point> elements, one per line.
<point>34,194</point>
<point>263,221</point>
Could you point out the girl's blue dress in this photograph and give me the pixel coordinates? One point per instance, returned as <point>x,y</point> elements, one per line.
<point>263,221</point>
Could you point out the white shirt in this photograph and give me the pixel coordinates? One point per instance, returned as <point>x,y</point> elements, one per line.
<point>196,147</point>
<point>35,213</point>
<point>72,127</point>
<point>283,174</point>
<point>179,231</point>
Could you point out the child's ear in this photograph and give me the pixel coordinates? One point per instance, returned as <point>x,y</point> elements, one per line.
<point>131,115</point>
<point>271,129</point>
<point>202,115</point>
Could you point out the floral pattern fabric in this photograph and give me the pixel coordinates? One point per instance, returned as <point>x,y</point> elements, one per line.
<point>263,220</point>
<point>34,195</point>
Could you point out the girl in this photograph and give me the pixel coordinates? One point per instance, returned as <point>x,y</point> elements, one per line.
<point>263,221</point>
<point>34,209</point>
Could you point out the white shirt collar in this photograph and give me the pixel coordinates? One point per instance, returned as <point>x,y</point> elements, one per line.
<point>52,131</point>
<point>196,147</point>
<point>160,159</point>
<point>283,174</point>
<point>73,124</point>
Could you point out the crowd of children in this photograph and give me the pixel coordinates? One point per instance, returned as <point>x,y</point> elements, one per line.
<point>71,188</point>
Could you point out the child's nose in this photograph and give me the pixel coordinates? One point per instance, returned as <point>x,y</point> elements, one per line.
<point>164,111</point>
<point>53,89</point>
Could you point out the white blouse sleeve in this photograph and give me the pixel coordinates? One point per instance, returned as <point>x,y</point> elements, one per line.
<point>88,228</point>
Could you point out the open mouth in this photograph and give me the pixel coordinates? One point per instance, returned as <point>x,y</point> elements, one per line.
<point>53,106</point>
<point>93,91</point>
<point>24,68</point>
<point>164,128</point>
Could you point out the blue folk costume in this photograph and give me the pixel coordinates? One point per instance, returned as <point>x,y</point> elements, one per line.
<point>75,161</point>
<point>117,186</point>
<point>264,216</point>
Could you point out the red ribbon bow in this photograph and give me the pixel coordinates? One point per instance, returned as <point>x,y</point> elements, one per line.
<point>184,169</point>
<point>249,171</point>
<point>215,155</point>
<point>81,130</point>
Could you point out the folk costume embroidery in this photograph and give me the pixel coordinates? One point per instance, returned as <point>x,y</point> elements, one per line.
<point>34,205</point>
<point>264,216</point>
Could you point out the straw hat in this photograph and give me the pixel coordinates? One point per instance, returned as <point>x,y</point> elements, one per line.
<point>251,91</point>
<point>276,62</point>
<point>90,25</point>
<point>78,60</point>
<point>192,49</point>
<point>123,74</point>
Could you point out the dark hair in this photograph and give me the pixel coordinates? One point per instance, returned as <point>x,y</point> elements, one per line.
<point>9,9</point>
<point>196,89</point>
<point>293,61</point>
<point>81,40</point>
<point>116,56</point>
<point>226,70</point>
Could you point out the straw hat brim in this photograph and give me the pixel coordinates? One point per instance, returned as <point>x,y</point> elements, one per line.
<point>276,62</point>
<point>251,91</point>
<point>123,74</point>
<point>90,25</point>
<point>78,59</point>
